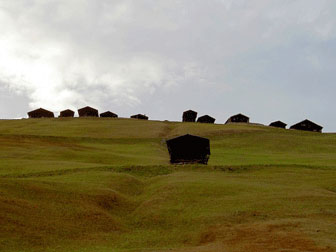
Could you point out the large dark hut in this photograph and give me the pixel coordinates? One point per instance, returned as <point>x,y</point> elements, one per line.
<point>278,124</point>
<point>67,113</point>
<point>87,112</point>
<point>189,116</point>
<point>239,118</point>
<point>140,116</point>
<point>40,113</point>
<point>206,119</point>
<point>189,149</point>
<point>307,126</point>
<point>109,114</point>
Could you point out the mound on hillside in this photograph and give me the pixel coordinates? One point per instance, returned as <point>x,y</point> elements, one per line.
<point>88,184</point>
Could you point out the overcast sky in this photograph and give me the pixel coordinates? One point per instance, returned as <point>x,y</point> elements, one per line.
<point>269,59</point>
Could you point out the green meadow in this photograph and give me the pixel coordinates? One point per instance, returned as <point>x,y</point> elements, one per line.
<point>107,185</point>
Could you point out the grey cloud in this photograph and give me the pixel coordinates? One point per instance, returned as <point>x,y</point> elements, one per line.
<point>265,58</point>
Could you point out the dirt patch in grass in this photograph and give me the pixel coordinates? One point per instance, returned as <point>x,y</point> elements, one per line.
<point>255,237</point>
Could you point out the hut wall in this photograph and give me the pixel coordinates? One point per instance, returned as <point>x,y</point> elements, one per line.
<point>88,112</point>
<point>278,124</point>
<point>307,126</point>
<point>141,117</point>
<point>108,114</point>
<point>67,113</point>
<point>41,113</point>
<point>189,116</point>
<point>206,119</point>
<point>189,149</point>
<point>238,119</point>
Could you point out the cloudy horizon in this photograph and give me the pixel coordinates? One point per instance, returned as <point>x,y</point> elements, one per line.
<point>269,59</point>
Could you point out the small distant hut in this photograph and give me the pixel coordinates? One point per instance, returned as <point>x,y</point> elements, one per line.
<point>278,124</point>
<point>40,113</point>
<point>206,119</point>
<point>189,149</point>
<point>240,118</point>
<point>67,113</point>
<point>109,114</point>
<point>87,112</point>
<point>307,126</point>
<point>140,116</point>
<point>189,116</point>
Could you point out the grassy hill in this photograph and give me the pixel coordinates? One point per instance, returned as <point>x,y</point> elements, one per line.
<point>107,185</point>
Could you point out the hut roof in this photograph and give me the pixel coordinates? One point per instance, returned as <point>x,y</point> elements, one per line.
<point>189,149</point>
<point>206,119</point>
<point>108,114</point>
<point>39,113</point>
<point>67,113</point>
<point>140,116</point>
<point>68,110</point>
<point>88,111</point>
<point>307,125</point>
<point>278,124</point>
<point>238,118</point>
<point>87,108</point>
<point>241,116</point>
<point>190,112</point>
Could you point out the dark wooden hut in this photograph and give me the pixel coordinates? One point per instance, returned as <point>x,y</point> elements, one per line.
<point>109,114</point>
<point>67,113</point>
<point>189,149</point>
<point>278,124</point>
<point>240,118</point>
<point>87,112</point>
<point>189,116</point>
<point>307,126</point>
<point>206,119</point>
<point>40,113</point>
<point>140,116</point>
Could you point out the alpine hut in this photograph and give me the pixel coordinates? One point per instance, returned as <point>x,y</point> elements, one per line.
<point>40,113</point>
<point>278,124</point>
<point>67,113</point>
<point>307,126</point>
<point>206,119</point>
<point>239,118</point>
<point>109,114</point>
<point>189,149</point>
<point>140,116</point>
<point>189,116</point>
<point>87,112</point>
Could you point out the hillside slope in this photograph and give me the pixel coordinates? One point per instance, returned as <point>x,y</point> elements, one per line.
<point>106,184</point>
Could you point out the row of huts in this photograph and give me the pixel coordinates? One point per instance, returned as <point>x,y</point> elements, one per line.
<point>83,112</point>
<point>307,125</point>
<point>188,116</point>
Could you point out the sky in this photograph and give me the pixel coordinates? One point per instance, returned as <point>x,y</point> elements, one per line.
<point>268,59</point>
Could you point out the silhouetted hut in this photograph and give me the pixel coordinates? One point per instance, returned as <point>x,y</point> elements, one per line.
<point>307,126</point>
<point>140,116</point>
<point>206,119</point>
<point>189,149</point>
<point>87,112</point>
<point>108,114</point>
<point>67,113</point>
<point>40,113</point>
<point>189,116</point>
<point>240,118</point>
<point>278,124</point>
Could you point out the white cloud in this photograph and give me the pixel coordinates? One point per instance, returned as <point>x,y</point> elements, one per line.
<point>70,53</point>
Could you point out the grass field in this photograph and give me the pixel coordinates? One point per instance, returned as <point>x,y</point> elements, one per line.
<point>107,185</point>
